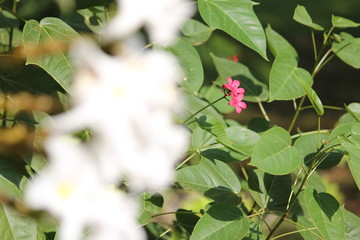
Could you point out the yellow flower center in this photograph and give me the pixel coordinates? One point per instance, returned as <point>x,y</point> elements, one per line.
<point>65,190</point>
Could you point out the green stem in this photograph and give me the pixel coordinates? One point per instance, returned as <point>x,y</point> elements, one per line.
<point>262,109</point>
<point>185,161</point>
<point>168,213</point>
<point>210,104</point>
<point>285,214</point>
<point>325,106</point>
<point>314,44</point>
<point>298,109</point>
<point>319,64</point>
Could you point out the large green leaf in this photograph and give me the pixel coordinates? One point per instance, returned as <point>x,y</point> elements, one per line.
<point>274,154</point>
<point>326,214</point>
<point>348,49</point>
<point>353,150</point>
<point>50,36</point>
<point>242,138</point>
<point>353,114</point>
<point>193,104</point>
<point>196,32</point>
<point>278,44</point>
<point>15,226</point>
<point>307,228</point>
<point>238,19</point>
<point>221,221</point>
<point>211,94</point>
<point>256,91</point>
<point>236,144</point>
<point>308,145</point>
<point>191,64</point>
<point>213,179</point>
<point>340,22</point>
<point>149,203</point>
<point>287,81</point>
<point>352,223</point>
<point>302,16</point>
<point>268,190</point>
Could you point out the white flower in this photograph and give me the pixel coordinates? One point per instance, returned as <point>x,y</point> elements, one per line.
<point>72,190</point>
<point>128,103</point>
<point>162,19</point>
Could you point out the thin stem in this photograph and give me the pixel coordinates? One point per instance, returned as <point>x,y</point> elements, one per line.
<point>318,133</point>
<point>168,213</point>
<point>293,232</point>
<point>296,113</point>
<point>314,44</point>
<point>263,111</point>
<point>185,161</point>
<point>306,229</point>
<point>164,233</point>
<point>307,175</point>
<point>317,68</point>
<point>325,106</point>
<point>309,133</point>
<point>208,105</point>
<point>4,115</point>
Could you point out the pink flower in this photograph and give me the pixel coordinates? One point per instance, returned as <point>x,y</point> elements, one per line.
<point>237,102</point>
<point>232,89</point>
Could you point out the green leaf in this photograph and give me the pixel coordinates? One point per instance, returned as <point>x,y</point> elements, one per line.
<point>326,214</point>
<point>308,145</point>
<point>190,62</point>
<point>352,223</point>
<point>242,138</point>
<point>211,94</point>
<point>259,125</point>
<point>149,203</point>
<point>302,16</point>
<point>353,150</point>
<point>187,219</point>
<point>353,114</point>
<point>8,20</point>
<point>15,226</point>
<point>340,22</point>
<point>254,232</point>
<point>274,154</point>
<point>256,91</point>
<point>5,37</point>
<point>348,50</point>
<point>287,81</point>
<point>194,104</point>
<point>278,44</point>
<point>213,179</point>
<point>221,222</point>
<point>310,93</point>
<point>51,35</point>
<point>309,231</point>
<point>13,170</point>
<point>196,32</point>
<point>94,18</point>
<point>270,191</point>
<point>217,129</point>
<point>238,19</point>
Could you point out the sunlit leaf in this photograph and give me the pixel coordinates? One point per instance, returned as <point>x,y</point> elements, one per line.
<point>287,81</point>
<point>274,154</point>
<point>51,36</point>
<point>278,44</point>
<point>238,19</point>
<point>196,32</point>
<point>340,22</point>
<point>326,214</point>
<point>15,226</point>
<point>213,179</point>
<point>352,223</point>
<point>221,222</point>
<point>302,16</point>
<point>348,50</point>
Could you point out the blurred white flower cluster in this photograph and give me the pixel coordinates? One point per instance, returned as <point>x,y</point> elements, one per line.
<point>127,101</point>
